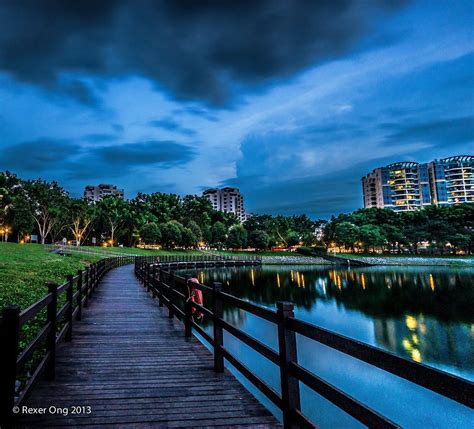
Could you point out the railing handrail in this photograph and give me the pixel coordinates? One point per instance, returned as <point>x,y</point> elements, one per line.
<point>78,290</point>
<point>156,275</point>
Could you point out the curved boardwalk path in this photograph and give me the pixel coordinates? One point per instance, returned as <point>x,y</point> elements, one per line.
<point>134,368</point>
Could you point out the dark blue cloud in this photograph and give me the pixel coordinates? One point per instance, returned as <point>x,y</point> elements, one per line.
<point>37,156</point>
<point>67,159</point>
<point>78,91</point>
<point>166,154</point>
<point>193,50</point>
<point>99,138</point>
<point>170,124</point>
<point>454,131</point>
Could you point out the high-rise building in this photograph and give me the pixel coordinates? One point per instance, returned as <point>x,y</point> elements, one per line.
<point>97,193</point>
<point>452,180</point>
<point>228,200</point>
<point>405,186</point>
<point>402,186</point>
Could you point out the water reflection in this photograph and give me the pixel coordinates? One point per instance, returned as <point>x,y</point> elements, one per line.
<point>420,313</point>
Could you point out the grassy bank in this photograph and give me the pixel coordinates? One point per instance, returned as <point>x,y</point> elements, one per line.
<point>24,270</point>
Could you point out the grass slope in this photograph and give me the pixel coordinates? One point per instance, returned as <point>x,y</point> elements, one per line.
<point>24,270</point>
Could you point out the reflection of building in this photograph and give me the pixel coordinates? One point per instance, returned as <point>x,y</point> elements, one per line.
<point>405,186</point>
<point>426,340</point>
<point>97,193</point>
<point>228,200</point>
<point>452,180</point>
<point>402,186</point>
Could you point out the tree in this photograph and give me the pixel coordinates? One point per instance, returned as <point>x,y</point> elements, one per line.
<point>292,238</point>
<point>219,234</point>
<point>188,237</point>
<point>115,211</point>
<point>196,209</point>
<point>150,233</point>
<point>196,230</point>
<point>47,201</point>
<point>237,238</point>
<point>8,183</point>
<point>259,239</point>
<point>371,236</point>
<point>171,234</point>
<point>22,220</point>
<point>80,216</point>
<point>346,234</point>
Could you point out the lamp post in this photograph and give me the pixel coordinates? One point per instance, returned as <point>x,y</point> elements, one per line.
<point>4,230</point>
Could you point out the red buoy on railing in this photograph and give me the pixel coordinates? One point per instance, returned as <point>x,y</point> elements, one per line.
<point>195,295</point>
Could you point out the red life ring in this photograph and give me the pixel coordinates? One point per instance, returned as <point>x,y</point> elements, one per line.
<point>195,295</point>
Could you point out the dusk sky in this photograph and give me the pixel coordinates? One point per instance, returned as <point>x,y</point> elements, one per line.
<point>291,101</point>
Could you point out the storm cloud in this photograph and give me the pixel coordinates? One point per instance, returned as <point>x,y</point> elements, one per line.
<point>44,155</point>
<point>165,153</point>
<point>38,155</point>
<point>193,50</point>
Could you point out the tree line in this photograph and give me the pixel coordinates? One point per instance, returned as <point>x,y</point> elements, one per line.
<point>169,220</point>
<point>436,229</point>
<point>45,208</point>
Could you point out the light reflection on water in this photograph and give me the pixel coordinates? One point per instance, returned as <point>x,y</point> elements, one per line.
<point>420,313</point>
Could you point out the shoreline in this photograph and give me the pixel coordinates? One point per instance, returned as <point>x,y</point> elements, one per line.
<point>375,260</point>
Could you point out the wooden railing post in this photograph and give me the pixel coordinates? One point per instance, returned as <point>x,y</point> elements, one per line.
<point>79,295</point>
<point>148,277</point>
<point>10,333</point>
<point>51,338</point>
<point>87,283</point>
<point>188,314</point>
<point>218,313</point>
<point>290,390</point>
<point>170,295</point>
<point>94,276</point>
<point>160,287</point>
<point>69,296</point>
<point>153,281</point>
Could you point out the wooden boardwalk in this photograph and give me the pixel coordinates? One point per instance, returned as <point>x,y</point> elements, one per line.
<point>134,368</point>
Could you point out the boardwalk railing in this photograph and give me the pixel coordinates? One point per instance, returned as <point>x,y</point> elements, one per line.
<point>173,291</point>
<point>21,369</point>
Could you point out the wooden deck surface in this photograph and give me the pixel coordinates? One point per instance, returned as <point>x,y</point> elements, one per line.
<point>134,368</point>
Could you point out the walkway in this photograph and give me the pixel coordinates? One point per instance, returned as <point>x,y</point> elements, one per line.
<point>134,368</point>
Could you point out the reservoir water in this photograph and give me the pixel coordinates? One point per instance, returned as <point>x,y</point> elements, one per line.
<point>425,314</point>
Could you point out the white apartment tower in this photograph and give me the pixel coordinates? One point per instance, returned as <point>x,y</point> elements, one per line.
<point>97,193</point>
<point>228,200</point>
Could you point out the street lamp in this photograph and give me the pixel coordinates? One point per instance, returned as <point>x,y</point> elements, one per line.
<point>4,230</point>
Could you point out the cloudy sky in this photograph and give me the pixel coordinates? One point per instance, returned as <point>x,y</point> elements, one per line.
<point>292,101</point>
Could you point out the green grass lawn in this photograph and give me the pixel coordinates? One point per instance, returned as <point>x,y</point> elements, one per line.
<point>24,271</point>
<point>25,268</point>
